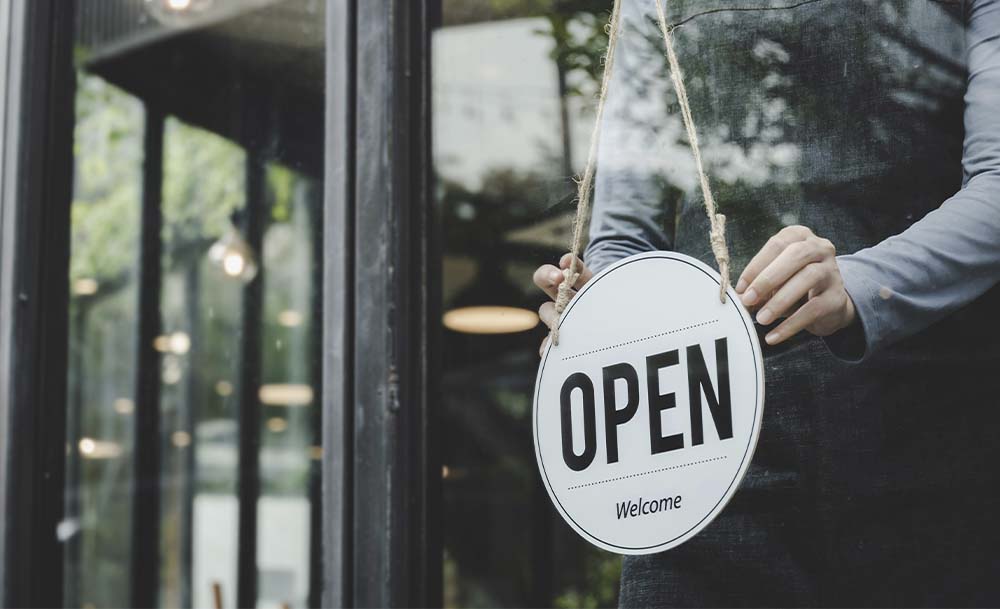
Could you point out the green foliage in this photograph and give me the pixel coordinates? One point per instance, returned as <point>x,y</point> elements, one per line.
<point>470,11</point>
<point>204,180</point>
<point>602,573</point>
<point>107,181</point>
<point>281,183</point>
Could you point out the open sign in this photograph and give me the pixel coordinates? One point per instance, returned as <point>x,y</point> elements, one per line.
<point>647,414</point>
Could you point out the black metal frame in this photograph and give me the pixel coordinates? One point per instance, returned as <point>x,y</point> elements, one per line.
<point>338,306</point>
<point>249,387</point>
<point>146,496</point>
<point>34,292</point>
<point>382,478</point>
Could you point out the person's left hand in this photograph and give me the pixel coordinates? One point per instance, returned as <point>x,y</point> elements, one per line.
<point>796,265</point>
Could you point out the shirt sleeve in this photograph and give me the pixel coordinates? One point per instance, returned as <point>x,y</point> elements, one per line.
<point>629,214</point>
<point>952,255</point>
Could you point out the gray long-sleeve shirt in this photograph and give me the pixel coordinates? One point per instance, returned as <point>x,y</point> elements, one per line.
<point>899,286</point>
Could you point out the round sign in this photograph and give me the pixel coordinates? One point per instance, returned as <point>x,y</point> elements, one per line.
<point>647,413</point>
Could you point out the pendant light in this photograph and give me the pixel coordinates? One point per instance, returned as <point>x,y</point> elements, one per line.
<point>232,254</point>
<point>489,306</point>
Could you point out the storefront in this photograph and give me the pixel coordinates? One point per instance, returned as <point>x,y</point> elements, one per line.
<point>227,250</point>
<point>267,320</point>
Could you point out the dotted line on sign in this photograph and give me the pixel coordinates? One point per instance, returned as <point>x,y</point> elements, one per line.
<point>639,340</point>
<point>652,471</point>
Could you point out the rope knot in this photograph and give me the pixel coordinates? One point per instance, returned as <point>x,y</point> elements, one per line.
<point>717,237</point>
<point>563,296</point>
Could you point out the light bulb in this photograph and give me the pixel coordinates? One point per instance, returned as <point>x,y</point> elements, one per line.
<point>233,264</point>
<point>233,255</point>
<point>85,286</point>
<point>99,449</point>
<point>178,12</point>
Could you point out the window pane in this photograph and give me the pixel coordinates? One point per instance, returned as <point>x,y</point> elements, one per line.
<point>203,186</point>
<point>236,189</point>
<point>102,343</point>
<point>290,444</point>
<point>512,113</point>
<point>845,117</point>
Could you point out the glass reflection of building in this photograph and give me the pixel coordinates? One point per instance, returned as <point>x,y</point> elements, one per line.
<point>193,397</point>
<point>193,372</point>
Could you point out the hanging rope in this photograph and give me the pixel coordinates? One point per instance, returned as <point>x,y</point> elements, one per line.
<point>717,234</point>
<point>585,184</point>
<point>571,274</point>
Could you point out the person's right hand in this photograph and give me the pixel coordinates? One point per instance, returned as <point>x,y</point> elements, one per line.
<point>548,278</point>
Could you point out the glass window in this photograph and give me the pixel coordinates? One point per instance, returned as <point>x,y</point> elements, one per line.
<point>844,117</point>
<point>232,179</point>
<point>104,296</point>
<point>513,106</point>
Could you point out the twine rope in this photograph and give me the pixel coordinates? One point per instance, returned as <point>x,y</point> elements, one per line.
<point>571,274</point>
<point>717,234</point>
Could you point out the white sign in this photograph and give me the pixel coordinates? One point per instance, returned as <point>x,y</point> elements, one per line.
<point>647,413</point>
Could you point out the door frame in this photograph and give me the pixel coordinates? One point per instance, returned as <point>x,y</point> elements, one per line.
<point>36,165</point>
<point>381,311</point>
<point>382,474</point>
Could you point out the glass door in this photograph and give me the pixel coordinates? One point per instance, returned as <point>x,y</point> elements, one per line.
<point>513,86</point>
<point>193,438</point>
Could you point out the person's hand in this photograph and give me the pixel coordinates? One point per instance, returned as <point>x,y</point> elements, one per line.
<point>548,278</point>
<point>794,266</point>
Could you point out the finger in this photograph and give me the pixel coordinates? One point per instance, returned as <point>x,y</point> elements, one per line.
<point>810,277</point>
<point>541,348</point>
<point>547,313</point>
<point>548,277</point>
<point>585,273</point>
<point>789,262</point>
<point>774,246</point>
<point>806,315</point>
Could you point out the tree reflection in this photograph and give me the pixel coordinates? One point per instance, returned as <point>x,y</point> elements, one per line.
<point>806,115</point>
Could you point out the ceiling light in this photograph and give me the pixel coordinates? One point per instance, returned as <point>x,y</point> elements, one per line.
<point>290,318</point>
<point>180,439</point>
<point>224,388</point>
<point>277,424</point>
<point>85,286</point>
<point>178,12</point>
<point>124,406</point>
<point>490,320</point>
<point>285,394</point>
<point>180,343</point>
<point>234,256</point>
<point>99,449</point>
<point>162,344</point>
<point>490,305</point>
<point>177,343</point>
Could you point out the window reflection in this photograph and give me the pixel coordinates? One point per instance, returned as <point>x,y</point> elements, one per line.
<point>238,292</point>
<point>512,112</point>
<point>513,84</point>
<point>103,294</point>
<point>201,308</point>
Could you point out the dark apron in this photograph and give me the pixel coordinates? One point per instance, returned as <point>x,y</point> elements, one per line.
<point>873,484</point>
